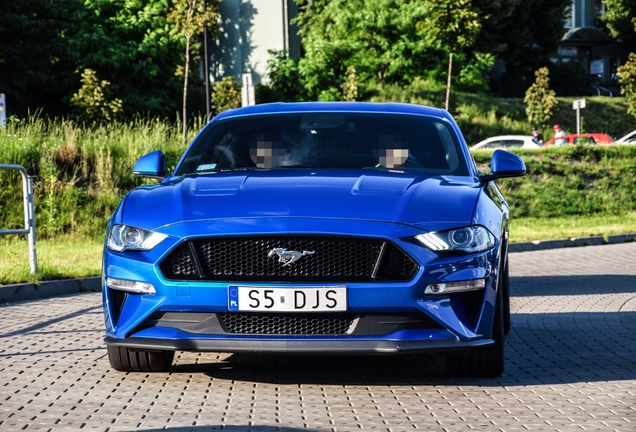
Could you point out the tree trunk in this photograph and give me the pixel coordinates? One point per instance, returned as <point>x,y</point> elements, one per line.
<point>448,81</point>
<point>185,88</point>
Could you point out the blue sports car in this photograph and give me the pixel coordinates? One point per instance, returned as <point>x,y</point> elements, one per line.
<point>315,228</point>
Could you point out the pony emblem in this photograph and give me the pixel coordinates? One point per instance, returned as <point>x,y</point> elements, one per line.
<point>288,257</point>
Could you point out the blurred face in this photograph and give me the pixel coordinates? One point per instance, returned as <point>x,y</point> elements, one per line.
<point>267,153</point>
<point>392,152</point>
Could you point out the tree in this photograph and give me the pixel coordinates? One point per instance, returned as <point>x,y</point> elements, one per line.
<point>128,43</point>
<point>190,18</point>
<point>627,75</point>
<point>453,24</point>
<point>523,34</point>
<point>620,19</point>
<point>571,78</point>
<point>474,76</point>
<point>492,15</point>
<point>285,82</point>
<point>540,99</point>
<point>90,103</point>
<point>35,70</point>
<point>226,95</point>
<point>377,37</point>
<point>350,86</point>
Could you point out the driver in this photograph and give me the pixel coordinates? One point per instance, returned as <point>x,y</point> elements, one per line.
<point>266,152</point>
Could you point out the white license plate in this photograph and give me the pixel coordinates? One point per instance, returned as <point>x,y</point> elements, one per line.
<point>288,299</point>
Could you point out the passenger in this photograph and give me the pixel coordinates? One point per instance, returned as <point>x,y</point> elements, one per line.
<point>392,151</point>
<point>537,136</point>
<point>558,133</point>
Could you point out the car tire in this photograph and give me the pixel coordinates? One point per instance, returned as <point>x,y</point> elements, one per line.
<point>485,362</point>
<point>507,325</point>
<point>126,360</point>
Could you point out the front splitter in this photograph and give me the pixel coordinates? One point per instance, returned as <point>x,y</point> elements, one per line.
<point>336,347</point>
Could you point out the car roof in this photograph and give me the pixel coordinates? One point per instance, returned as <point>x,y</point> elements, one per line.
<point>361,107</point>
<point>503,137</point>
<point>343,107</point>
<point>626,136</point>
<point>584,135</point>
<point>499,137</point>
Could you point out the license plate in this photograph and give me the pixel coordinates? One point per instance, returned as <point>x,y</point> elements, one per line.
<point>288,299</point>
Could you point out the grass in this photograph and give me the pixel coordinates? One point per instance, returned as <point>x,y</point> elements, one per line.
<point>530,229</point>
<point>81,173</point>
<point>66,257</point>
<point>483,116</point>
<point>571,182</point>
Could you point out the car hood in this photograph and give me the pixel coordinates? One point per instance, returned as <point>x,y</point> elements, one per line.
<point>401,197</point>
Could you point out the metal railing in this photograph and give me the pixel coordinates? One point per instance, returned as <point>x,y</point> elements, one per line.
<point>599,89</point>
<point>29,214</point>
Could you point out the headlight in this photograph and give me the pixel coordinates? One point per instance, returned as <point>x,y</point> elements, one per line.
<point>126,238</point>
<point>468,239</point>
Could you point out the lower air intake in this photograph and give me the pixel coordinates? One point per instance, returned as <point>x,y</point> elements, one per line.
<point>287,324</point>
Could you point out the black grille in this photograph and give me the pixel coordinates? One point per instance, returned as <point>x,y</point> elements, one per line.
<point>334,324</point>
<point>325,259</point>
<point>180,263</point>
<point>287,324</point>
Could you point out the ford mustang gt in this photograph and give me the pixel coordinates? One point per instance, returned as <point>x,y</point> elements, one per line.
<point>313,228</point>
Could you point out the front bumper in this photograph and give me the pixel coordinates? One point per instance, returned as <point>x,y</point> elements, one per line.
<point>465,318</point>
<point>305,346</point>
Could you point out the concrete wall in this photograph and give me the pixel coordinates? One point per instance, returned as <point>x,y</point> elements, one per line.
<point>247,30</point>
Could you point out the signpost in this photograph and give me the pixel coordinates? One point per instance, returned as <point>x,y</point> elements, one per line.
<point>247,92</point>
<point>578,105</point>
<point>3,112</point>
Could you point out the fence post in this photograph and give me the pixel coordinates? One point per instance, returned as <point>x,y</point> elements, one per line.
<point>29,214</point>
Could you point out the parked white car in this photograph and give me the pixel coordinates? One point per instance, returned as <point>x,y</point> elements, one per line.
<point>507,142</point>
<point>630,138</point>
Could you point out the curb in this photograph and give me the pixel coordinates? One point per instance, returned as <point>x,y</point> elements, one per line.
<point>570,242</point>
<point>46,289</point>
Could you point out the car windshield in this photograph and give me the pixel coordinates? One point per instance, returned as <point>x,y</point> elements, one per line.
<point>327,140</point>
<point>584,140</point>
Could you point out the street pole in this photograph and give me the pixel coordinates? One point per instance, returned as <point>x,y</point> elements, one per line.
<point>577,105</point>
<point>206,68</point>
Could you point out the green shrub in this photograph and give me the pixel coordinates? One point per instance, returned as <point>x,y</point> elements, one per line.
<point>226,95</point>
<point>627,74</point>
<point>571,181</point>
<point>80,173</point>
<point>540,99</point>
<point>90,103</point>
<point>482,116</point>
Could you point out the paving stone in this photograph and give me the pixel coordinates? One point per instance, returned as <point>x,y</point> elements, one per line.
<point>570,366</point>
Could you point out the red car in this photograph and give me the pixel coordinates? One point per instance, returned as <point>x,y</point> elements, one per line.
<point>586,138</point>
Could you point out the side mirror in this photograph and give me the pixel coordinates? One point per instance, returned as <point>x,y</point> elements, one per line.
<point>152,165</point>
<point>505,164</point>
